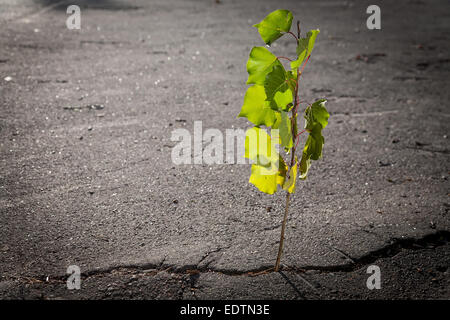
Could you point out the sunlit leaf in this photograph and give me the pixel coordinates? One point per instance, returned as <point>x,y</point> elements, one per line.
<point>269,103</point>
<point>316,118</point>
<point>260,62</point>
<point>289,184</point>
<point>256,109</point>
<point>311,151</point>
<point>286,131</point>
<point>276,81</point>
<point>261,147</point>
<point>305,47</point>
<point>292,79</point>
<point>305,164</point>
<point>267,178</point>
<point>316,113</point>
<point>274,25</point>
<point>282,101</point>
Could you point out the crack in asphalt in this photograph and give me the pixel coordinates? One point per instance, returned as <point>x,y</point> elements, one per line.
<point>206,255</point>
<point>396,245</point>
<point>429,241</point>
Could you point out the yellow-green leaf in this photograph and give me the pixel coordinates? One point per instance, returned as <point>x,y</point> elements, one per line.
<point>316,114</point>
<point>256,109</point>
<point>289,184</point>
<point>305,47</point>
<point>259,64</point>
<point>286,130</point>
<point>282,100</point>
<point>305,164</point>
<point>267,178</point>
<point>274,25</point>
<point>261,147</point>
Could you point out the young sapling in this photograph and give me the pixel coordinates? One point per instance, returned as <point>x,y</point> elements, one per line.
<point>273,102</point>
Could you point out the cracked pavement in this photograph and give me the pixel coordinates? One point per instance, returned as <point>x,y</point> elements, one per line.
<point>85,153</point>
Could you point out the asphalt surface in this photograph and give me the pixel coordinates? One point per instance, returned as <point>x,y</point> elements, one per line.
<point>85,153</point>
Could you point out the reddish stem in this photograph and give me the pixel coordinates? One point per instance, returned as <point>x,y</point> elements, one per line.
<point>304,64</point>
<point>298,139</point>
<point>293,35</point>
<point>300,133</point>
<point>281,57</point>
<point>299,73</point>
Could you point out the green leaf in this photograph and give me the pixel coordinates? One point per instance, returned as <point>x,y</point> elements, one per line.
<point>314,143</point>
<point>275,81</point>
<point>286,131</point>
<point>292,79</point>
<point>274,25</point>
<point>305,47</point>
<point>277,89</point>
<point>289,185</point>
<point>316,117</point>
<point>295,64</point>
<point>316,113</point>
<point>277,123</point>
<point>305,164</point>
<point>261,147</point>
<point>260,62</point>
<point>256,109</point>
<point>282,100</point>
<point>267,178</point>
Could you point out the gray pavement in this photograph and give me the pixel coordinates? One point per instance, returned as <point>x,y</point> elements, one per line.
<point>85,153</point>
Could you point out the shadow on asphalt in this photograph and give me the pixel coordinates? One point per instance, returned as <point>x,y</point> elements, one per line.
<point>285,277</point>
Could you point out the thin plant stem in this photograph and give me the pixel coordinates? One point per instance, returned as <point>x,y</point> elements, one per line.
<point>296,39</point>
<point>304,64</point>
<point>286,209</point>
<point>281,57</point>
<point>294,134</point>
<point>298,138</point>
<point>283,228</point>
